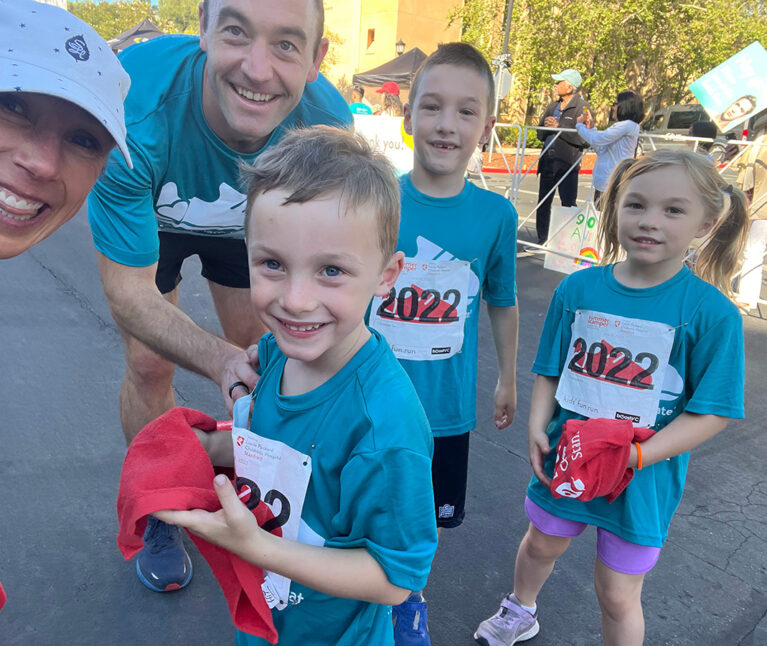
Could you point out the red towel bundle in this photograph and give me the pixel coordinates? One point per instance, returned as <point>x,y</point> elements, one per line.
<point>166,467</point>
<point>3,598</point>
<point>592,456</point>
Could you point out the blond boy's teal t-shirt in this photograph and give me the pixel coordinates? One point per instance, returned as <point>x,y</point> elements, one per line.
<point>370,486</point>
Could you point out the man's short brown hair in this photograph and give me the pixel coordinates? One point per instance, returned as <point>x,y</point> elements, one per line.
<point>458,55</point>
<point>313,163</point>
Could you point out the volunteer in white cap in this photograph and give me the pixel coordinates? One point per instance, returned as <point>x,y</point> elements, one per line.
<point>560,163</point>
<point>61,112</point>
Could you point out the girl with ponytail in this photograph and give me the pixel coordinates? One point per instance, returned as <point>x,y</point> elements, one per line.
<point>647,340</point>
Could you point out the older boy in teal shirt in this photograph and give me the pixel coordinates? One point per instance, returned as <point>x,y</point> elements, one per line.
<point>333,436</point>
<point>459,243</point>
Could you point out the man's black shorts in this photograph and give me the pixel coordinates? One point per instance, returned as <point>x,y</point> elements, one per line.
<point>449,470</point>
<point>224,260</point>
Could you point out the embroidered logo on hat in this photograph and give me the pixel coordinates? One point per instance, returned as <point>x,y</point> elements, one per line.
<point>77,48</point>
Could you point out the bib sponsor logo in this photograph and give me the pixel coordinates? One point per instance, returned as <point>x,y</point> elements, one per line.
<point>441,350</point>
<point>240,440</point>
<point>428,250</point>
<point>628,416</point>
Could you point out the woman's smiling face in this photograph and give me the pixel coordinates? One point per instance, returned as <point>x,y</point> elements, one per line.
<point>51,153</point>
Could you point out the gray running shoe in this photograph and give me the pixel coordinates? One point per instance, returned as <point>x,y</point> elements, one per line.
<point>511,624</point>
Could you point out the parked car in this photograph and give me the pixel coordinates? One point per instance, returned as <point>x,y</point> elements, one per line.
<point>673,123</point>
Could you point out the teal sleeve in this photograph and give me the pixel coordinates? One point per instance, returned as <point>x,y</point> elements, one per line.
<point>717,368</point>
<point>387,507</point>
<point>555,338</point>
<point>500,288</point>
<point>121,212</point>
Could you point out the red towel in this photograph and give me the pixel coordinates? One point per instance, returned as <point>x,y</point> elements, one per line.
<point>166,467</point>
<point>592,456</point>
<point>3,598</point>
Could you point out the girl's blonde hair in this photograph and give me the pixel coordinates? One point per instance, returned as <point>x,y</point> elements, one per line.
<point>718,258</point>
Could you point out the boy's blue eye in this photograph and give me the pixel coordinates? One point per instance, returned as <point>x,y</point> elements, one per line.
<point>332,271</point>
<point>272,264</point>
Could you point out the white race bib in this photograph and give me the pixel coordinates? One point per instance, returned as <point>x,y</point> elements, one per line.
<point>279,475</point>
<point>615,367</point>
<point>423,316</point>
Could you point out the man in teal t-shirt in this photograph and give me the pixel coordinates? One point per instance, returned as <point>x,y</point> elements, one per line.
<point>196,109</point>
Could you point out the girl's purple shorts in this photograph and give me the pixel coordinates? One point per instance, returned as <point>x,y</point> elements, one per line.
<point>616,553</point>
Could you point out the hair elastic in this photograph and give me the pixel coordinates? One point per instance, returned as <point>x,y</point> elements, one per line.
<point>728,189</point>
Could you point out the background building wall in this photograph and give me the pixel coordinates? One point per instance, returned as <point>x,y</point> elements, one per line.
<point>370,29</point>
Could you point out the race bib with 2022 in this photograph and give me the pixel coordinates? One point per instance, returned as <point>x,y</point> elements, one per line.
<point>279,475</point>
<point>423,316</point>
<point>615,367</point>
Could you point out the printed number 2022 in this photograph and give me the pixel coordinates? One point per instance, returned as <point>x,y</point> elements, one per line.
<point>255,497</point>
<point>412,305</point>
<point>595,364</point>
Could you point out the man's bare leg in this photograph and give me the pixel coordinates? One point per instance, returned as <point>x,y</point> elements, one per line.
<point>238,320</point>
<point>147,388</point>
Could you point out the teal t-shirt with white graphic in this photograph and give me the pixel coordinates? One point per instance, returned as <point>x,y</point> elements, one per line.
<point>185,179</point>
<point>704,375</point>
<point>370,486</point>
<point>480,228</point>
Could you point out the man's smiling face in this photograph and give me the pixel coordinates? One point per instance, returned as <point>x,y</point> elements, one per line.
<point>260,57</point>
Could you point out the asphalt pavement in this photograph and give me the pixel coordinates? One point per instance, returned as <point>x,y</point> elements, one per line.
<point>62,449</point>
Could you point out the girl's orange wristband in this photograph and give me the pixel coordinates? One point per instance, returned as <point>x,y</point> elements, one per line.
<point>639,456</point>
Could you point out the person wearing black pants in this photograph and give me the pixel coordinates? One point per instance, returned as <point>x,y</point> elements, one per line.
<point>552,171</point>
<point>563,153</point>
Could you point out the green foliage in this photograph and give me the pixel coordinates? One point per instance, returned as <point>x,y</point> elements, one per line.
<point>331,58</point>
<point>657,47</point>
<point>111,19</point>
<point>481,24</point>
<point>183,14</point>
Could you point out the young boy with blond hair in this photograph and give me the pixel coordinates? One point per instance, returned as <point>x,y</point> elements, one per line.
<point>333,436</point>
<point>460,243</point>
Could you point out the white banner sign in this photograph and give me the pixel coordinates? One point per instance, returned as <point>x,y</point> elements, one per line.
<point>387,135</point>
